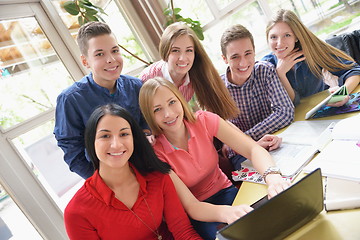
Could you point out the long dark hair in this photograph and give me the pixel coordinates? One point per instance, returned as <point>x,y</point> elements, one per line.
<point>143,157</point>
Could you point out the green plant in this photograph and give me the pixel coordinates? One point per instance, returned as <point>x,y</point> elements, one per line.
<point>173,15</point>
<point>87,12</point>
<point>84,9</point>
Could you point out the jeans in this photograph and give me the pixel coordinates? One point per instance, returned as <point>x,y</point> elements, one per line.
<point>207,230</point>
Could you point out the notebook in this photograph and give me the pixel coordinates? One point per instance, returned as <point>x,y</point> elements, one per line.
<point>301,141</point>
<point>322,110</point>
<point>281,215</point>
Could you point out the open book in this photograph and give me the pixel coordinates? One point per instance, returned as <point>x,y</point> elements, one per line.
<point>322,110</point>
<point>341,157</point>
<point>301,141</point>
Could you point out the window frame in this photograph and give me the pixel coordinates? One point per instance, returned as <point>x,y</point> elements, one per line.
<point>15,175</point>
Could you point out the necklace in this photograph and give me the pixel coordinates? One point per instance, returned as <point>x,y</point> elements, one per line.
<point>156,232</point>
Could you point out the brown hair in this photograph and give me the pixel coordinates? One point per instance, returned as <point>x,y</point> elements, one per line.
<point>88,31</point>
<point>208,86</point>
<point>318,53</point>
<point>147,92</point>
<point>233,33</point>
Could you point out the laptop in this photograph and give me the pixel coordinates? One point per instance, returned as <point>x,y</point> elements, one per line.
<point>281,215</point>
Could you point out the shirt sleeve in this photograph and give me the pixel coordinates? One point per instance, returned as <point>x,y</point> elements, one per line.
<point>209,120</point>
<point>151,71</point>
<point>174,213</point>
<point>69,132</point>
<point>346,73</point>
<point>77,226</point>
<point>281,106</point>
<point>271,58</point>
<point>142,122</point>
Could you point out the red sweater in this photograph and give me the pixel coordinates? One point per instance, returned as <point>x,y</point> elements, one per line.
<point>95,213</point>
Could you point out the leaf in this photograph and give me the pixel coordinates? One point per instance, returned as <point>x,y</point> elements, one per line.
<point>177,10</point>
<point>167,11</point>
<point>101,19</point>
<point>85,2</point>
<point>71,8</point>
<point>90,11</point>
<point>80,20</point>
<point>91,17</point>
<point>199,32</point>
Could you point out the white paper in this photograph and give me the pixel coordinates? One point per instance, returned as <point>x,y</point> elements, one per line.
<point>305,132</point>
<point>348,128</point>
<point>341,194</point>
<point>339,159</point>
<point>301,140</point>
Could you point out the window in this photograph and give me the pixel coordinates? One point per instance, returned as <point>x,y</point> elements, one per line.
<point>32,73</point>
<point>13,223</point>
<point>324,18</point>
<point>118,25</point>
<point>36,65</point>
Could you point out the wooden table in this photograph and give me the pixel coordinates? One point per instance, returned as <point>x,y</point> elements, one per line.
<point>333,225</point>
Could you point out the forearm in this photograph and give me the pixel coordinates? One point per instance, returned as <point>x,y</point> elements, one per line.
<point>244,145</point>
<point>286,84</point>
<point>352,82</point>
<point>76,159</point>
<point>261,159</point>
<point>197,210</point>
<point>206,212</point>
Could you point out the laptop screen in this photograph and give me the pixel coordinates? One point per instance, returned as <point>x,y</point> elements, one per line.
<point>281,215</point>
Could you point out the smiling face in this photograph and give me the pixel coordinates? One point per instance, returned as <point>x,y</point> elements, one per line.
<point>104,60</point>
<point>168,111</point>
<point>281,39</point>
<point>113,142</point>
<point>181,56</point>
<point>240,56</point>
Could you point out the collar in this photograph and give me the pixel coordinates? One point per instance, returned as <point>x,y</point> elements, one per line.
<point>166,74</point>
<point>167,145</point>
<point>101,88</point>
<point>230,84</point>
<point>97,187</point>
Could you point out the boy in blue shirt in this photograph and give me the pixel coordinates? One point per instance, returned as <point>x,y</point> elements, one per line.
<point>101,54</point>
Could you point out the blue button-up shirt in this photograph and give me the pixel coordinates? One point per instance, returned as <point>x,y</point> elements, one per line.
<point>74,107</point>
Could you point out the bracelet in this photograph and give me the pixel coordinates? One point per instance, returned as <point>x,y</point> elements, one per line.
<point>271,170</point>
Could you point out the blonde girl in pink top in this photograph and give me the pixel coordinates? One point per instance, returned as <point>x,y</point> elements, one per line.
<point>185,141</point>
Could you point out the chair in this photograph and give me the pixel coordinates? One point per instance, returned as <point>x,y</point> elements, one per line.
<point>348,43</point>
<point>224,163</point>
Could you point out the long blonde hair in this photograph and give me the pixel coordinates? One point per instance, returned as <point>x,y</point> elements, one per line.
<point>318,53</point>
<point>146,95</point>
<point>208,86</point>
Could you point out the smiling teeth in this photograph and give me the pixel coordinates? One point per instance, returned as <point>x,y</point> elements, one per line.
<point>111,69</point>
<point>116,154</point>
<point>243,69</point>
<point>170,122</point>
<point>182,65</point>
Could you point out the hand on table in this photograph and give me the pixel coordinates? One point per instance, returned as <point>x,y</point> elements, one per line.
<point>276,184</point>
<point>270,142</point>
<point>233,213</point>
